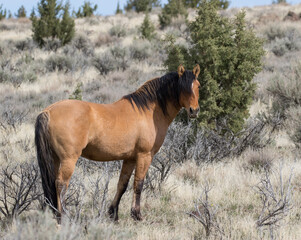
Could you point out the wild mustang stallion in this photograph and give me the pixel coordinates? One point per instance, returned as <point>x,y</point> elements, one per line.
<point>132,129</point>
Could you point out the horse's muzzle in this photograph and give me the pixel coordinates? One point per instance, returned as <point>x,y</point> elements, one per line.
<point>193,113</point>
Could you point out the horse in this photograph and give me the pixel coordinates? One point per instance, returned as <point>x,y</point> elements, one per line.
<point>131,129</point>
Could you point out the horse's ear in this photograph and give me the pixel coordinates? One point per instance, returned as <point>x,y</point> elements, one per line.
<point>181,70</point>
<point>196,70</point>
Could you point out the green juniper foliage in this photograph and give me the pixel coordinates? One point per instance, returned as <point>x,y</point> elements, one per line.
<point>222,4</point>
<point>54,22</point>
<point>67,26</point>
<point>279,1</point>
<point>77,93</point>
<point>118,10</point>
<point>147,28</point>
<point>229,55</point>
<point>175,54</point>
<point>175,8</point>
<point>191,3</point>
<point>86,11</point>
<point>2,12</point>
<point>32,14</point>
<point>141,5</point>
<point>21,12</point>
<point>172,9</point>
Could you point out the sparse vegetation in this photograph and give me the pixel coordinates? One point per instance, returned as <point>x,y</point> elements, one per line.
<point>59,63</point>
<point>260,160</point>
<point>285,89</point>
<point>118,31</point>
<point>283,39</point>
<point>231,185</point>
<point>140,50</point>
<point>116,58</point>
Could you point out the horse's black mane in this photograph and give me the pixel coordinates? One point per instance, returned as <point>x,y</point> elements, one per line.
<point>166,88</point>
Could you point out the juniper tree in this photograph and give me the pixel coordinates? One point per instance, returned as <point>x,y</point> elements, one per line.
<point>223,4</point>
<point>67,26</point>
<point>87,10</point>
<point>141,5</point>
<point>175,8</point>
<point>147,28</point>
<point>229,55</point>
<point>2,12</point>
<point>21,12</point>
<point>191,3</point>
<point>278,1</point>
<point>49,25</point>
<point>175,56</point>
<point>32,15</point>
<point>172,9</point>
<point>118,10</point>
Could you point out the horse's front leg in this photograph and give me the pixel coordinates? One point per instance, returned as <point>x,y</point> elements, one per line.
<point>143,162</point>
<point>125,175</point>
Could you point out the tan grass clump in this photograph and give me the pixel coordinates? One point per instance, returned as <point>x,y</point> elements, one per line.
<point>258,160</point>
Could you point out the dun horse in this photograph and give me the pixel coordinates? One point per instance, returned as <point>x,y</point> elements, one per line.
<point>131,129</point>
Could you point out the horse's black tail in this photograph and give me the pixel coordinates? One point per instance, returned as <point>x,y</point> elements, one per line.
<point>46,155</point>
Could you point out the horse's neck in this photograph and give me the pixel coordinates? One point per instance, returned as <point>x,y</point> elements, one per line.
<point>172,112</point>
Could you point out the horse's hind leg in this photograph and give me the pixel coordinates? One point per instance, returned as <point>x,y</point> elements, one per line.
<point>125,175</point>
<point>63,177</point>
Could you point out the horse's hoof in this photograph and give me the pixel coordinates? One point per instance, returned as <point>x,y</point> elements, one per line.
<point>136,215</point>
<point>113,214</point>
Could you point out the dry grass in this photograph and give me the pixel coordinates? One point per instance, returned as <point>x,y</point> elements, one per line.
<point>233,180</point>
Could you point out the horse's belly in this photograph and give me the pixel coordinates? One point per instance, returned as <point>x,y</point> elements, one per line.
<point>109,152</point>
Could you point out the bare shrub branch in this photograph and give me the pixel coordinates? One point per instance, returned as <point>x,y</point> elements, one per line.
<point>18,188</point>
<point>205,213</point>
<point>11,118</point>
<point>91,194</point>
<point>276,198</point>
<point>99,190</point>
<point>214,145</point>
